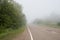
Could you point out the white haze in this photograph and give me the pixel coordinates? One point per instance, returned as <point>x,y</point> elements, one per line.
<point>39,8</point>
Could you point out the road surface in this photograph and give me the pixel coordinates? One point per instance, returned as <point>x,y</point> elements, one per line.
<point>34,32</point>
<point>44,33</point>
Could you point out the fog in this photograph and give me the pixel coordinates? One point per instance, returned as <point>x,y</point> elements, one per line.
<point>39,8</point>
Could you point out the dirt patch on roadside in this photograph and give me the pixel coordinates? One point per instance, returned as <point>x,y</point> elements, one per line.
<point>24,36</point>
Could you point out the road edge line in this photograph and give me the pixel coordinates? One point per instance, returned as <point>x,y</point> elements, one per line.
<point>30,33</point>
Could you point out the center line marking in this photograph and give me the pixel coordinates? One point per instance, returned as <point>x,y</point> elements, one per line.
<point>30,33</point>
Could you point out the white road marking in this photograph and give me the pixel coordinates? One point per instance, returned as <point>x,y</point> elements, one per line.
<point>30,33</point>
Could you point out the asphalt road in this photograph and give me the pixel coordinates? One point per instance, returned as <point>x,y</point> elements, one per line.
<point>44,32</point>
<point>34,32</point>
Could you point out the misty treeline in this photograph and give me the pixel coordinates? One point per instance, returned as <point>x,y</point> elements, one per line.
<point>11,15</point>
<point>52,19</point>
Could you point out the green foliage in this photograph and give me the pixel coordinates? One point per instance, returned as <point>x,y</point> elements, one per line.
<point>11,15</point>
<point>58,24</point>
<point>10,34</point>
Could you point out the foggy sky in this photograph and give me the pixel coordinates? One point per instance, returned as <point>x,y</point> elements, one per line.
<point>39,8</point>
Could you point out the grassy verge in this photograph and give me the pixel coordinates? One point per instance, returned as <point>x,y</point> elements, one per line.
<point>11,34</point>
<point>54,26</point>
<point>50,25</point>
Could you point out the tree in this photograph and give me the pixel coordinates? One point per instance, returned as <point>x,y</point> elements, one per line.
<point>11,15</point>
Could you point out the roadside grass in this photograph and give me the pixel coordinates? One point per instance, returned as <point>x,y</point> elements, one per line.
<point>54,26</point>
<point>10,34</point>
<point>49,25</point>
